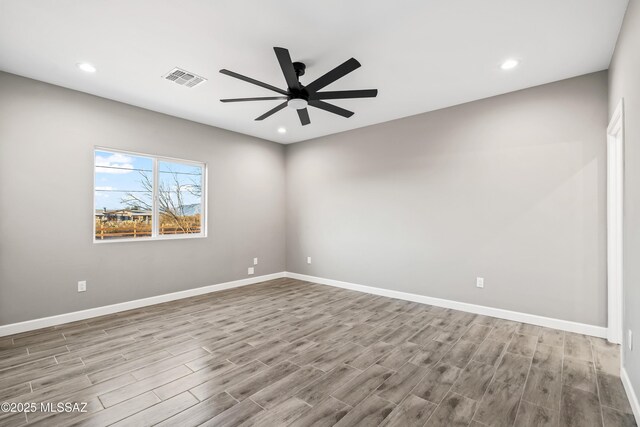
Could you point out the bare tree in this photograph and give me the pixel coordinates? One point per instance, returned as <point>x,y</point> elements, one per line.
<point>133,200</point>
<point>171,203</point>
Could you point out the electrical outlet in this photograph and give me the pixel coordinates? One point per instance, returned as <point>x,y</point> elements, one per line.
<point>255,261</point>
<point>630,340</point>
<point>82,286</point>
<point>250,270</point>
<point>308,260</point>
<point>480,282</point>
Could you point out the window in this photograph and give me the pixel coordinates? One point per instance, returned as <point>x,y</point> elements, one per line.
<point>142,197</point>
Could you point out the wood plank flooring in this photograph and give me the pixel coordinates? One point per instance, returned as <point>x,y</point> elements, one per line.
<point>287,352</point>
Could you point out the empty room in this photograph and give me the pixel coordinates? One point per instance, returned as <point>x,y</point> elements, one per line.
<point>296,213</point>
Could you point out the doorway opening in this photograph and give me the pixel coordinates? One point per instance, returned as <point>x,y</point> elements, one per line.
<point>615,177</point>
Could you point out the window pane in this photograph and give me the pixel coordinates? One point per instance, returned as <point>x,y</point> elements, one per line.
<point>123,189</point>
<point>179,198</point>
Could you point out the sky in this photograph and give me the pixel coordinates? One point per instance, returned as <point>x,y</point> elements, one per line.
<point>117,175</point>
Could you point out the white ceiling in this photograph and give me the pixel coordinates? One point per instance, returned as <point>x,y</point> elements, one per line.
<point>422,55</point>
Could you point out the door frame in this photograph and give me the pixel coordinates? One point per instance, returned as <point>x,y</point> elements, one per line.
<point>615,215</point>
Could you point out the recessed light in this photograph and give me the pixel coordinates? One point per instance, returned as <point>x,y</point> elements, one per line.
<point>282,130</point>
<point>86,67</point>
<point>509,64</point>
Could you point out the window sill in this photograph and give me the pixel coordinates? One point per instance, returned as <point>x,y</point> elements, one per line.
<point>151,239</point>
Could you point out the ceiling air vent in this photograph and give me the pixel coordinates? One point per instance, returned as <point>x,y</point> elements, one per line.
<point>184,78</point>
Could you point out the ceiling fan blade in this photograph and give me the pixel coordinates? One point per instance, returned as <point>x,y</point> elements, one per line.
<point>333,75</point>
<point>304,116</point>
<point>287,67</point>
<point>331,108</point>
<point>253,81</point>
<point>272,111</point>
<point>345,94</point>
<point>264,98</point>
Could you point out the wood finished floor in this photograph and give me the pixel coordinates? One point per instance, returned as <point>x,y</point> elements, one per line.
<point>287,352</point>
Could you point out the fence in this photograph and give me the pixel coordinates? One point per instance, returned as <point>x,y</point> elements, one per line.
<point>141,230</point>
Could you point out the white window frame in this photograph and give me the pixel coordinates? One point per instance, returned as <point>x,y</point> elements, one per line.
<point>155,219</point>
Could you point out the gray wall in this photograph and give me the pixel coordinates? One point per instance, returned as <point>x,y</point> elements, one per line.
<point>510,188</point>
<point>624,82</point>
<point>47,135</point>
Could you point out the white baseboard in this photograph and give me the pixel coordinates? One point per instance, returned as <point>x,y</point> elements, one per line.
<point>565,325</point>
<point>631,393</point>
<point>44,322</point>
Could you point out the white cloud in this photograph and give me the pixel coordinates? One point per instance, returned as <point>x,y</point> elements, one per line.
<point>104,188</point>
<point>183,188</point>
<point>115,160</point>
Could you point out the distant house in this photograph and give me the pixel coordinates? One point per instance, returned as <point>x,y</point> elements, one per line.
<point>138,215</point>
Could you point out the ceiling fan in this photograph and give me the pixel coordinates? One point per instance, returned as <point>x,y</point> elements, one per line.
<point>298,96</point>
